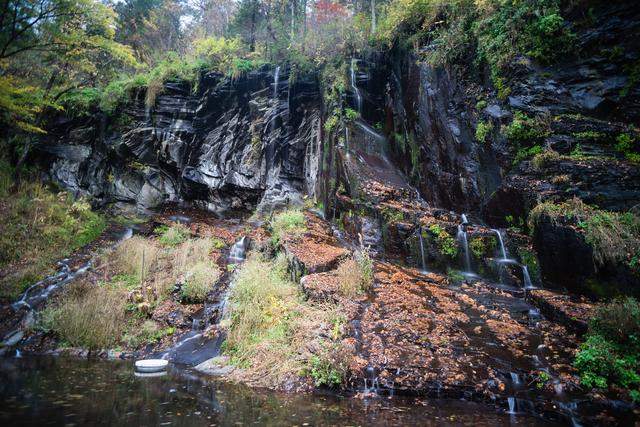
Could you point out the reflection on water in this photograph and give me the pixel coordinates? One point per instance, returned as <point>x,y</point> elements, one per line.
<point>48,391</point>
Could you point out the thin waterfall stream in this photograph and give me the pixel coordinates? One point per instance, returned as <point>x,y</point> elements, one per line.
<point>463,240</point>
<point>195,347</point>
<point>37,294</point>
<point>424,264</point>
<point>503,251</point>
<point>354,85</point>
<point>276,79</point>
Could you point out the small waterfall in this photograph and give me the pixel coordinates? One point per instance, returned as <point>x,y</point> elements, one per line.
<point>462,238</point>
<point>276,79</point>
<point>465,221</point>
<point>371,383</point>
<point>424,264</point>
<point>346,137</point>
<point>238,251</point>
<point>502,248</point>
<point>512,405</point>
<point>526,279</point>
<point>373,16</point>
<point>515,378</point>
<point>380,141</point>
<point>354,85</point>
<point>195,347</point>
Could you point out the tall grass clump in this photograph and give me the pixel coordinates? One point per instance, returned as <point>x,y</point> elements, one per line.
<point>270,327</point>
<point>136,256</point>
<point>199,281</point>
<point>92,318</point>
<point>355,275</point>
<point>172,236</point>
<point>288,222</point>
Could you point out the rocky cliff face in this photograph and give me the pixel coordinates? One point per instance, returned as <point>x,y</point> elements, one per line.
<point>233,144</point>
<point>258,142</point>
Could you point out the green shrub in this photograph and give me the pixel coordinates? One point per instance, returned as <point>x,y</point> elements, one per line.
<point>218,243</point>
<point>589,136</point>
<point>80,102</point>
<point>619,321</point>
<point>445,242</point>
<point>628,146</point>
<point>482,246</point>
<point>454,276</point>
<point>525,130</point>
<point>324,372</point>
<point>609,356</point>
<point>530,259</point>
<point>149,332</point>
<point>614,236</point>
<point>172,236</point>
<point>41,227</point>
<point>525,153</point>
<point>288,222</point>
<point>483,129</point>
<point>218,52</point>
<point>351,114</point>
<point>507,28</point>
<point>544,159</point>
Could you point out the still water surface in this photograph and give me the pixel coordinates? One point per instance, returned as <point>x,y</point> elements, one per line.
<point>56,391</point>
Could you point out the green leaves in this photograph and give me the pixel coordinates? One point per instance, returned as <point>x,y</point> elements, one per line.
<point>51,53</point>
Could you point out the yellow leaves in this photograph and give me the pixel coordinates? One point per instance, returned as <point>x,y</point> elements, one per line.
<point>218,51</point>
<point>19,104</point>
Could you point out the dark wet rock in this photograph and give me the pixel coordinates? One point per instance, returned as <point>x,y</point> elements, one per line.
<point>575,313</point>
<point>608,183</point>
<point>565,257</point>
<point>232,145</point>
<point>567,260</point>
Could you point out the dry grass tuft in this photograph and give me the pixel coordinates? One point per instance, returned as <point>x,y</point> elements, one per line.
<point>355,275</point>
<point>199,281</point>
<point>272,331</point>
<point>136,256</point>
<point>88,317</point>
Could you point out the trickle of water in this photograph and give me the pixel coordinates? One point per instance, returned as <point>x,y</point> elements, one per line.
<point>462,238</point>
<point>502,248</point>
<point>180,219</point>
<point>276,79</point>
<point>371,383</point>
<point>558,388</point>
<point>465,221</point>
<point>346,137</point>
<point>526,279</point>
<point>354,85</point>
<point>515,378</point>
<point>424,264</point>
<point>238,251</point>
<point>512,405</point>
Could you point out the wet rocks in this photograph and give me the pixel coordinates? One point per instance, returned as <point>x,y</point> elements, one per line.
<point>573,312</point>
<point>232,145</point>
